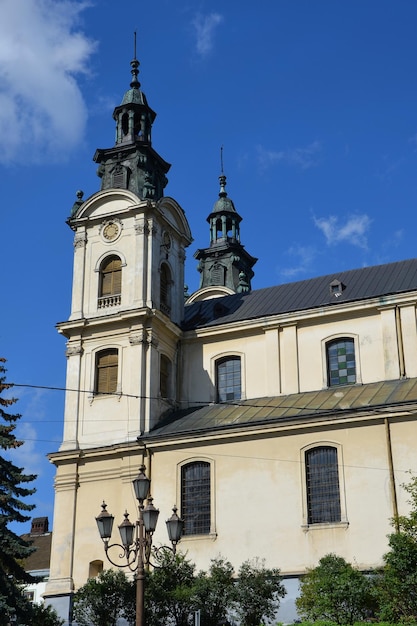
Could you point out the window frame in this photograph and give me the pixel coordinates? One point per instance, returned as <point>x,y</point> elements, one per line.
<point>219,360</point>
<point>306,523</point>
<point>212,527</point>
<point>101,353</point>
<point>114,273</point>
<point>325,368</point>
<point>114,299</point>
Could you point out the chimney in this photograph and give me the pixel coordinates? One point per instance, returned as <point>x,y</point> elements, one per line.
<point>39,526</point>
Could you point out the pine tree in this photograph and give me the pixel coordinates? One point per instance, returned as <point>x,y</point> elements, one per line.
<point>13,549</point>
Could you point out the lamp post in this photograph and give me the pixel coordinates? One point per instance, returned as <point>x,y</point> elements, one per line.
<point>136,538</point>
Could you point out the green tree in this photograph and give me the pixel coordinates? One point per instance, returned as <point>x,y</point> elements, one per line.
<point>44,615</point>
<point>13,549</point>
<point>335,591</point>
<point>103,600</point>
<point>213,592</point>
<point>257,592</point>
<point>169,590</point>
<point>398,583</point>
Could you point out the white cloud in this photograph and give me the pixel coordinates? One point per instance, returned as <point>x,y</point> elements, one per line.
<point>301,157</point>
<point>304,256</point>
<point>204,26</point>
<point>353,230</point>
<point>42,111</point>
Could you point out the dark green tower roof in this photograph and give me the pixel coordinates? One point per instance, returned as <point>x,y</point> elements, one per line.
<point>225,263</point>
<point>132,163</point>
<point>224,204</point>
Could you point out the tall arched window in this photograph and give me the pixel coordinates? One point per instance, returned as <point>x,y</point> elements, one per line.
<point>341,363</point>
<point>110,282</point>
<point>106,371</point>
<point>322,485</point>
<point>196,498</point>
<point>165,288</point>
<point>165,377</point>
<point>228,379</point>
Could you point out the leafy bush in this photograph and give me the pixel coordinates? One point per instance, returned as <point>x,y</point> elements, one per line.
<point>257,593</point>
<point>103,600</point>
<point>335,591</point>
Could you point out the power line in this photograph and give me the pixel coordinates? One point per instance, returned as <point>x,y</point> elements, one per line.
<point>189,403</point>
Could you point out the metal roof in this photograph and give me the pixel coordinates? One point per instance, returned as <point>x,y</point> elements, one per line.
<point>359,284</point>
<point>333,402</point>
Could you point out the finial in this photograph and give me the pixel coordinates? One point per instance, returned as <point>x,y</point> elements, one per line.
<point>222,177</point>
<point>134,64</point>
<point>222,192</point>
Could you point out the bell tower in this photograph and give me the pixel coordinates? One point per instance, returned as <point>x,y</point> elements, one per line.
<point>225,263</point>
<point>128,288</point>
<point>123,331</point>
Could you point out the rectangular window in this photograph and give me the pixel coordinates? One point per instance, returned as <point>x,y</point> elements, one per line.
<point>322,483</point>
<point>195,498</point>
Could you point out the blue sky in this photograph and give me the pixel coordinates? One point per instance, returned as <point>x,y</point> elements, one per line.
<point>315,103</point>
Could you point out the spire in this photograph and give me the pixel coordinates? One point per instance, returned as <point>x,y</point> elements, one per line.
<point>225,263</point>
<point>132,163</point>
<point>134,64</point>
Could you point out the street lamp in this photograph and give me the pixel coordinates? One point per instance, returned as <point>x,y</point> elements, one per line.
<point>136,538</point>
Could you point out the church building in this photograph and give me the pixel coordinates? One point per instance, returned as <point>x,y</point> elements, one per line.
<point>280,421</point>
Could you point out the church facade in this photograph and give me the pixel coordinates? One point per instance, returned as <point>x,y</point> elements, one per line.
<point>280,421</point>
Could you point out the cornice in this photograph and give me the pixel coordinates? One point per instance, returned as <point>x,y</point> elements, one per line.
<point>70,327</point>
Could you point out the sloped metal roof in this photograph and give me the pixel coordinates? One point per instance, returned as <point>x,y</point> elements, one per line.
<point>333,402</point>
<point>359,284</point>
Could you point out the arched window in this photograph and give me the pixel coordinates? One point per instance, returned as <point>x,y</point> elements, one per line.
<point>165,377</point>
<point>341,364</point>
<point>110,282</point>
<point>322,485</point>
<point>125,123</point>
<point>106,371</point>
<point>228,379</point>
<point>196,498</point>
<point>165,288</point>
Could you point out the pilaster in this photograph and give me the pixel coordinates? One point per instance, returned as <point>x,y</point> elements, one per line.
<point>272,361</point>
<point>289,359</point>
<point>409,339</point>
<point>389,343</point>
<point>72,397</point>
<point>78,281</point>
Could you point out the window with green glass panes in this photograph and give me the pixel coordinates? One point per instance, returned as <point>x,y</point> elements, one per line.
<point>341,364</point>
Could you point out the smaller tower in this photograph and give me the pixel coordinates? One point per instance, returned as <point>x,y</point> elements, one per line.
<point>132,163</point>
<point>225,263</point>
